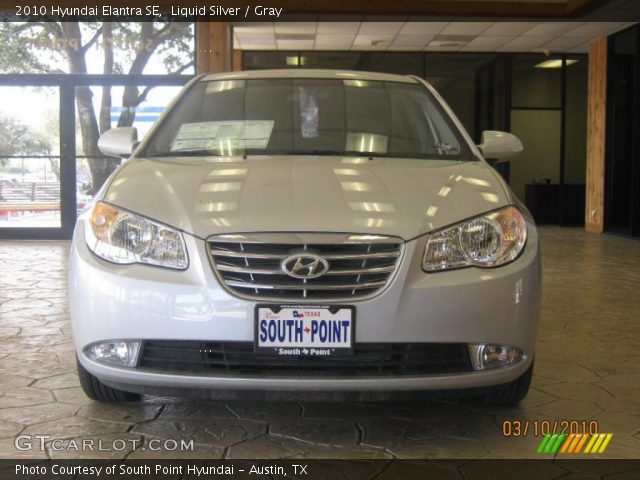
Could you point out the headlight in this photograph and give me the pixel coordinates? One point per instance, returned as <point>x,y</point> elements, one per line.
<point>489,240</point>
<point>124,237</point>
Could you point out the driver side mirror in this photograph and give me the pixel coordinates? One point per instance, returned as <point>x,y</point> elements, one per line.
<point>118,142</point>
<point>499,145</point>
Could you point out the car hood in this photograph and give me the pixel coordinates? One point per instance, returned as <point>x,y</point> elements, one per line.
<point>390,196</point>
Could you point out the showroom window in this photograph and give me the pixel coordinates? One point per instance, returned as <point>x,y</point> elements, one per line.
<point>63,84</point>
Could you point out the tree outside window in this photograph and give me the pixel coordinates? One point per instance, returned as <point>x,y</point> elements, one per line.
<point>132,48</point>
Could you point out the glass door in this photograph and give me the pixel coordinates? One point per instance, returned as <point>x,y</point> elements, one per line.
<point>29,157</point>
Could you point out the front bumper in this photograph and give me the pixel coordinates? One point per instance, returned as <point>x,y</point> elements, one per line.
<point>498,306</point>
<point>121,377</point>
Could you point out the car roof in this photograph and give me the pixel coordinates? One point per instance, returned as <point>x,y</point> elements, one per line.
<point>309,73</point>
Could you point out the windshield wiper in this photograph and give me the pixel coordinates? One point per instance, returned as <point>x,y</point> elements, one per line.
<point>187,153</point>
<point>338,153</point>
<point>447,148</point>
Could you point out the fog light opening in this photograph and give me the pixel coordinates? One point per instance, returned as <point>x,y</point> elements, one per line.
<point>485,356</point>
<point>115,352</point>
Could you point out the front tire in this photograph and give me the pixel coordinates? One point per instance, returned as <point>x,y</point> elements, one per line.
<point>510,393</point>
<point>96,390</point>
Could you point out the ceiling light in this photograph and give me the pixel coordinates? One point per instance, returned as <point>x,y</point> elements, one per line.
<point>446,44</point>
<point>557,63</point>
<point>295,36</point>
<point>450,41</point>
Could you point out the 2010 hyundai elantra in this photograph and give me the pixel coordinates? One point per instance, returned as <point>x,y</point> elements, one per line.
<point>302,230</point>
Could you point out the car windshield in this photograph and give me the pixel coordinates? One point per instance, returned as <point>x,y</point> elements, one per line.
<point>308,117</point>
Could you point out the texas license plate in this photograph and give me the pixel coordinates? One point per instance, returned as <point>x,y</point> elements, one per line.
<point>293,330</point>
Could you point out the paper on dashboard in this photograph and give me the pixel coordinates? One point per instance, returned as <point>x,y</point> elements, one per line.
<point>223,135</point>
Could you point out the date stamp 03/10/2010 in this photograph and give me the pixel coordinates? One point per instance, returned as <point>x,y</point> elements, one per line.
<point>560,436</point>
<point>540,428</point>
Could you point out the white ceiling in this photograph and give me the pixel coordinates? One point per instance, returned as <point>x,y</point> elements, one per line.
<point>479,36</point>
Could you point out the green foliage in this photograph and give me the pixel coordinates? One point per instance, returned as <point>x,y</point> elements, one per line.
<point>16,138</point>
<point>20,50</point>
<point>45,47</point>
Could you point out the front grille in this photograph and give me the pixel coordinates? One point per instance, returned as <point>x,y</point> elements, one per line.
<point>368,359</point>
<point>253,269</point>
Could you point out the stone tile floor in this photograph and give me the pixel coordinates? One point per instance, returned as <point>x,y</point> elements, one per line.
<point>587,368</point>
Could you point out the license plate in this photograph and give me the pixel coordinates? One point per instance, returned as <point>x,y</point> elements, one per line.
<point>296,330</point>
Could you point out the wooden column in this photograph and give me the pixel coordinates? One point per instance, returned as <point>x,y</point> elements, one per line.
<point>596,115</point>
<point>213,47</point>
<point>237,60</point>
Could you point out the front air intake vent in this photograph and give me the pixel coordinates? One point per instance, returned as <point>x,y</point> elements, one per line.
<point>368,360</point>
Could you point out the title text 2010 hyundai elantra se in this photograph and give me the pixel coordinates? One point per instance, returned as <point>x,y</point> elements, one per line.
<point>305,231</point>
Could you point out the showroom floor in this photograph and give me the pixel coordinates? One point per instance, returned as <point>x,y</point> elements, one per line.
<point>587,367</point>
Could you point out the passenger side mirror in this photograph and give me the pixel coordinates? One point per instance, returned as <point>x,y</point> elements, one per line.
<point>118,142</point>
<point>499,145</point>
